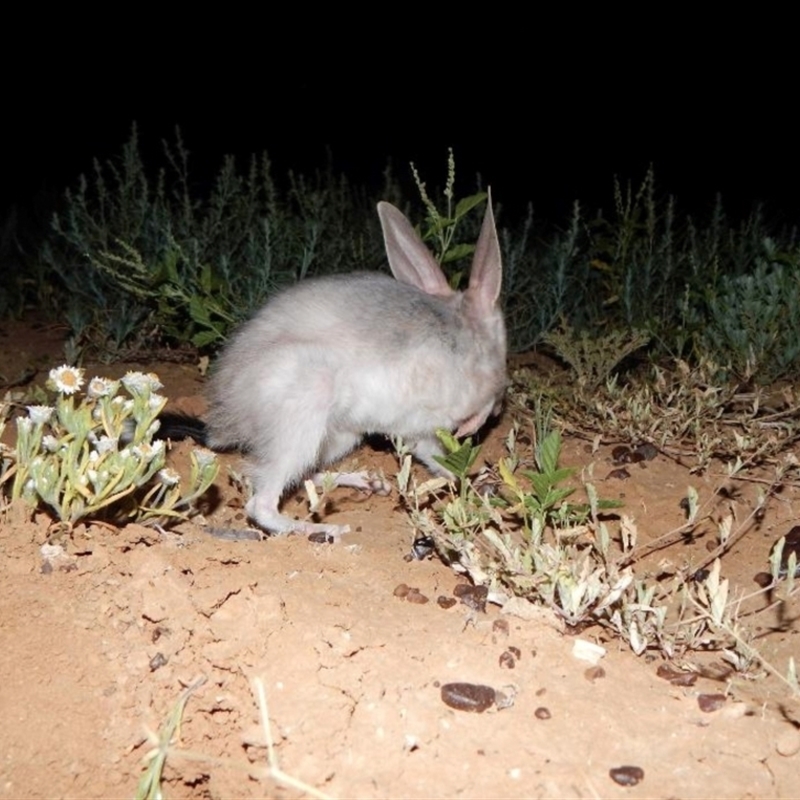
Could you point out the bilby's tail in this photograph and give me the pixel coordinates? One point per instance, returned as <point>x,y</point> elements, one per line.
<point>176,425</point>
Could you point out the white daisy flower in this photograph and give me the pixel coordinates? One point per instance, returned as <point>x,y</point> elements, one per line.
<point>168,476</point>
<point>40,414</point>
<point>101,387</point>
<point>67,379</point>
<point>138,382</point>
<point>50,443</point>
<point>204,457</point>
<point>147,452</point>
<point>106,444</point>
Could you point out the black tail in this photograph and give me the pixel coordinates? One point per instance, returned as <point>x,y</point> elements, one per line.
<point>177,426</point>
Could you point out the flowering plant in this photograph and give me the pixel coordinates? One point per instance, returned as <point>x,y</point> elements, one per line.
<point>97,457</point>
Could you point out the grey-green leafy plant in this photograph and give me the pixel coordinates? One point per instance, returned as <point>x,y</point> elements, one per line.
<point>753,319</point>
<point>494,526</point>
<point>96,458</point>
<point>521,538</point>
<point>143,257</point>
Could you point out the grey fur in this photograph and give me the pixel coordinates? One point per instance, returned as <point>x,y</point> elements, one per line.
<point>331,359</point>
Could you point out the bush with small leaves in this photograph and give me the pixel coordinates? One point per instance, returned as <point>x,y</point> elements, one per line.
<point>95,457</point>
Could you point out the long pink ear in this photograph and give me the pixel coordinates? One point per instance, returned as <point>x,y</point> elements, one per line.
<point>409,259</point>
<point>486,275</point>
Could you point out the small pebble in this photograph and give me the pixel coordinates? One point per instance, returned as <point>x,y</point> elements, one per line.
<point>646,450</point>
<point>505,699</point>
<point>763,579</point>
<point>422,547</point>
<point>468,696</point>
<point>627,775</point>
<point>500,626</point>
<point>676,677</point>
<point>158,632</point>
<point>507,660</point>
<point>475,597</point>
<point>401,590</point>
<point>620,474</point>
<point>542,713</point>
<point>788,743</point>
<point>588,651</point>
<point>621,454</point>
<point>516,652</point>
<point>415,596</point>
<point>446,602</point>
<point>710,702</point>
<point>594,673</point>
<point>157,661</point>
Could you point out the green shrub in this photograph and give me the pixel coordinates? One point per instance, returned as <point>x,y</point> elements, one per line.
<point>145,260</point>
<point>752,319</point>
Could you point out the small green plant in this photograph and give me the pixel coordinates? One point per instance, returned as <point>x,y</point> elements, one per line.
<point>440,228</point>
<point>594,357</point>
<point>542,498</point>
<point>513,529</point>
<point>493,525</point>
<point>96,458</point>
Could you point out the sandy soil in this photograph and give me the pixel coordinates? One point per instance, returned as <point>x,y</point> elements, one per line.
<point>97,648</point>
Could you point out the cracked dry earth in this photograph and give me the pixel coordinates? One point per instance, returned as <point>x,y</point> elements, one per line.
<point>96,651</point>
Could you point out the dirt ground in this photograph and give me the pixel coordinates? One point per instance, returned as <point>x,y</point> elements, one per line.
<point>96,650</point>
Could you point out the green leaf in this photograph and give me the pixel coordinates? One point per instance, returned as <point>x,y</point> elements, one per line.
<point>466,204</point>
<point>548,452</point>
<point>198,311</point>
<point>460,456</point>
<point>204,338</point>
<point>457,251</point>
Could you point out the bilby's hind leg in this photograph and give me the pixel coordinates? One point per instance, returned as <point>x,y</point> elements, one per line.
<point>282,456</point>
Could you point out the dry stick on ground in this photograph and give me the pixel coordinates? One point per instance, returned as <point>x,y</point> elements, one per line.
<point>749,650</point>
<point>275,772</point>
<point>150,783</point>
<point>677,534</point>
<point>748,522</point>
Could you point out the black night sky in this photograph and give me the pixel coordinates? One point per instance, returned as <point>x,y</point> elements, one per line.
<point>543,129</point>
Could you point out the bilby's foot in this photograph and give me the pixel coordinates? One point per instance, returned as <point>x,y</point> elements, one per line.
<point>363,481</point>
<point>265,514</point>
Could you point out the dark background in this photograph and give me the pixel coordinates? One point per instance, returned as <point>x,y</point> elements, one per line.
<point>713,111</point>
